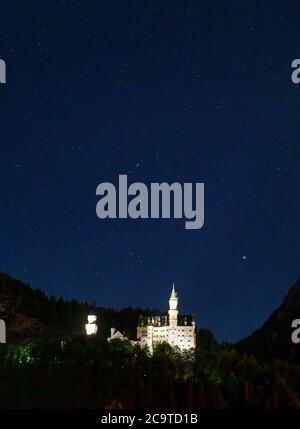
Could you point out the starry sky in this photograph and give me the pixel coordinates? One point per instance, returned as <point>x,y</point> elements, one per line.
<point>193,91</point>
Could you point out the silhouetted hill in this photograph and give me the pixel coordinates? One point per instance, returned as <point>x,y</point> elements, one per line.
<point>54,371</point>
<point>273,339</point>
<point>31,313</point>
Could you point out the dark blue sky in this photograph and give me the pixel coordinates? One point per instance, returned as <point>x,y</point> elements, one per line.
<point>161,91</point>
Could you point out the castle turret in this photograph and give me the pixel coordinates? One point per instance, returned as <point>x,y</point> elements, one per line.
<point>173,311</point>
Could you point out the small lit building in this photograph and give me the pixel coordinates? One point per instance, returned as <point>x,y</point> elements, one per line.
<point>176,330</point>
<point>91,327</point>
<point>116,335</point>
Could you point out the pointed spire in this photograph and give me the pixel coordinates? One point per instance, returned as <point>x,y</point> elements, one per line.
<point>173,294</point>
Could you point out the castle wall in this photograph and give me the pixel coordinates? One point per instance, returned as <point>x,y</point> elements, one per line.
<point>180,336</point>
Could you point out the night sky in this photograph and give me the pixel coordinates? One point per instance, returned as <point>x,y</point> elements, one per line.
<point>171,91</point>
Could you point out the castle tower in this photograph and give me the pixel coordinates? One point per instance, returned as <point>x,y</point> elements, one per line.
<point>91,327</point>
<point>173,305</point>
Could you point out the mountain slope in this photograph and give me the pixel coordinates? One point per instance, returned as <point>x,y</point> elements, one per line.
<point>31,313</point>
<point>273,339</point>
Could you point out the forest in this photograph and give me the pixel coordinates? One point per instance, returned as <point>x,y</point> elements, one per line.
<point>54,365</point>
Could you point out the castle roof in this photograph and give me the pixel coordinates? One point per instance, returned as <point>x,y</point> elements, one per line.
<point>163,320</point>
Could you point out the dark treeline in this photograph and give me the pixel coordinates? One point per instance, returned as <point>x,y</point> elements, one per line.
<point>55,316</point>
<point>92,373</point>
<point>48,362</point>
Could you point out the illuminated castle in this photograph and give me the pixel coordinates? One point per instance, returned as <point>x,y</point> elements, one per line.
<point>174,329</point>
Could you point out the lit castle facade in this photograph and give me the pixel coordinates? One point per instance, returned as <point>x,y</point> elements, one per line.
<point>174,329</point>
